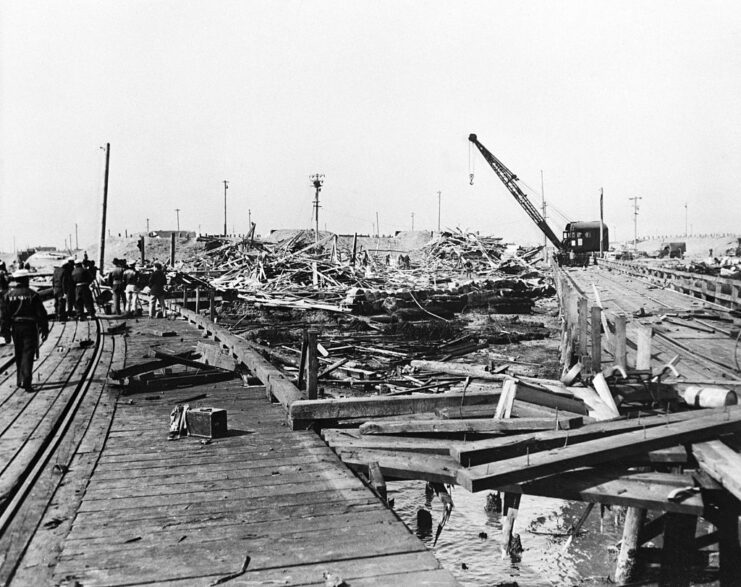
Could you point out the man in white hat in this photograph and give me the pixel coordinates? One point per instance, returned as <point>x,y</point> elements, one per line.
<point>22,316</point>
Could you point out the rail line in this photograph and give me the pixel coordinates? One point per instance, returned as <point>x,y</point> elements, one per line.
<point>49,428</point>
<point>668,344</point>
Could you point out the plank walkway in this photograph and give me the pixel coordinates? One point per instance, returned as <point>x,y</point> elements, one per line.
<point>705,347</point>
<point>125,506</point>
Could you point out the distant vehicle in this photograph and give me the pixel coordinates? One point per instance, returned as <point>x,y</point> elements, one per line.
<point>675,250</point>
<point>580,239</point>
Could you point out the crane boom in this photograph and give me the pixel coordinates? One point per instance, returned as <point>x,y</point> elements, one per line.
<point>509,180</point>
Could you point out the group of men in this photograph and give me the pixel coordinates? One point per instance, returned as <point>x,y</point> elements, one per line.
<point>24,319</point>
<point>71,285</point>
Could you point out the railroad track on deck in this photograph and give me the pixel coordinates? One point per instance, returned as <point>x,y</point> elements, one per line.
<point>35,429</point>
<point>663,342</point>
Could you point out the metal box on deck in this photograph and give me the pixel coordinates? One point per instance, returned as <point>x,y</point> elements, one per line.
<point>206,422</point>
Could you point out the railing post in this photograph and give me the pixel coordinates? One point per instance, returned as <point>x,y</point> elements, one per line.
<point>621,344</point>
<point>312,365</point>
<point>596,329</point>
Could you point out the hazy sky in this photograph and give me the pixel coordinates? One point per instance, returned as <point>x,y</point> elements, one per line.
<point>640,98</point>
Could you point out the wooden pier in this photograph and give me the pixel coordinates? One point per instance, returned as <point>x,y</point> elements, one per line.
<point>95,494</point>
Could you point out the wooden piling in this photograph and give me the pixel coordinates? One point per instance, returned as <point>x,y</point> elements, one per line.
<point>354,248</point>
<point>596,320</point>
<point>627,563</point>
<point>302,361</point>
<point>510,509</point>
<point>678,550</point>
<point>583,313</point>
<point>643,353</point>
<point>172,250</point>
<point>185,297</point>
<point>621,342</point>
<point>211,308</point>
<point>312,364</point>
<point>377,482</point>
<point>198,300</point>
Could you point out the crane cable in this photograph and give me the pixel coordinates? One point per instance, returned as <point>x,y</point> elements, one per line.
<point>471,163</point>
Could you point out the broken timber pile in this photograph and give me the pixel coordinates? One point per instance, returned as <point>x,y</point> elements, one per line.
<point>301,274</point>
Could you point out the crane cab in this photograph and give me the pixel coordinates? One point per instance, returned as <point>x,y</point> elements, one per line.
<point>581,239</point>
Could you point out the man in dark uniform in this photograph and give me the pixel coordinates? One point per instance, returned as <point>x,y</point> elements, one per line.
<point>116,282</point>
<point>83,296</point>
<point>60,282</point>
<point>23,316</point>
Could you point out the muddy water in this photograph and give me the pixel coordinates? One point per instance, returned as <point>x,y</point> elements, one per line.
<point>469,545</point>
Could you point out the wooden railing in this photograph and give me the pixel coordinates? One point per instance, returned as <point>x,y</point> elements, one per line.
<point>722,291</point>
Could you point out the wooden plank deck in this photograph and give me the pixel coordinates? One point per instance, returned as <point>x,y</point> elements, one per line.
<point>705,355</point>
<point>135,508</point>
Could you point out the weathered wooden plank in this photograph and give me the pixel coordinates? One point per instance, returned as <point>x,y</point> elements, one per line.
<point>473,425</point>
<point>482,451</point>
<point>592,452</point>
<point>399,465</point>
<point>345,438</point>
<point>369,407</point>
<point>615,487</point>
<point>721,462</point>
<point>275,382</point>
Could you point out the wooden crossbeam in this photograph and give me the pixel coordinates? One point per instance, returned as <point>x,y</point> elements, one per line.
<point>473,425</point>
<point>721,462</point>
<point>592,452</point>
<point>483,451</point>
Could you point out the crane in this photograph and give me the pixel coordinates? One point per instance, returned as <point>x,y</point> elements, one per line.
<point>509,180</point>
<point>580,239</point>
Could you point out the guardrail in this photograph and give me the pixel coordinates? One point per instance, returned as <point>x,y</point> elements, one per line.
<point>722,291</point>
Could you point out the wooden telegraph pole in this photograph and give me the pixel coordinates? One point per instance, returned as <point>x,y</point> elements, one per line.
<point>105,207</point>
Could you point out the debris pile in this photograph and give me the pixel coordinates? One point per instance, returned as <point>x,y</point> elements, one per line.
<point>454,271</point>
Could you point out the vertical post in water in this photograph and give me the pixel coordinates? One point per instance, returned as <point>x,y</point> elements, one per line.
<point>312,365</point>
<point>627,563</point>
<point>101,259</point>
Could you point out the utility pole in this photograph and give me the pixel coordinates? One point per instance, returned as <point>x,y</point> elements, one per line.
<point>635,221</point>
<point>105,207</point>
<point>378,228</point>
<point>601,222</point>
<point>317,180</point>
<point>542,198</point>
<point>439,196</point>
<point>412,221</point>
<point>177,213</point>
<point>685,220</point>
<point>77,240</point>
<point>226,187</point>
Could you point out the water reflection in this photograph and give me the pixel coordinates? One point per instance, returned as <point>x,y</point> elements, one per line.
<point>470,544</point>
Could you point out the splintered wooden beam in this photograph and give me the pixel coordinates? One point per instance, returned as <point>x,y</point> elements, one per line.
<point>370,407</point>
<point>520,409</point>
<point>346,439</point>
<point>473,425</point>
<point>493,449</point>
<point>615,487</point>
<point>276,384</point>
<point>399,465</point>
<point>721,462</point>
<point>592,452</point>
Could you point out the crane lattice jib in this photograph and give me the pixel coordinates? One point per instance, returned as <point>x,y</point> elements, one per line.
<point>509,179</point>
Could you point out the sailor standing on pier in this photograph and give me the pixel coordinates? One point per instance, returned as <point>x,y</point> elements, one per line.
<point>22,316</point>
